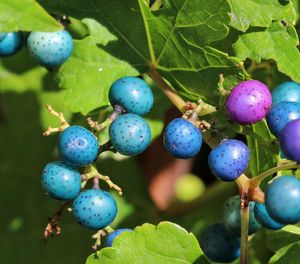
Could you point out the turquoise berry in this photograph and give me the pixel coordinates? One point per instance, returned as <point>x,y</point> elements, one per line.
<point>182,139</point>
<point>264,218</point>
<point>130,134</point>
<point>50,49</point>
<point>281,114</point>
<point>111,237</point>
<point>61,181</point>
<point>2,35</point>
<point>232,218</point>
<point>229,159</point>
<point>283,199</point>
<point>286,91</point>
<point>78,146</point>
<point>94,209</point>
<point>218,244</point>
<point>133,94</point>
<point>11,43</point>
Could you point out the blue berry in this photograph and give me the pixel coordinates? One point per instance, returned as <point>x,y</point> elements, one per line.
<point>289,139</point>
<point>50,49</point>
<point>218,244</point>
<point>111,237</point>
<point>11,43</point>
<point>287,91</point>
<point>2,35</point>
<point>130,134</point>
<point>77,146</point>
<point>232,218</point>
<point>94,209</point>
<point>229,159</point>
<point>263,217</point>
<point>281,114</point>
<point>283,200</point>
<point>182,139</point>
<point>133,94</point>
<point>61,181</point>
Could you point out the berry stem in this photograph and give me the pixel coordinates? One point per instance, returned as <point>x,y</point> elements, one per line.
<point>111,184</point>
<point>60,116</point>
<point>284,166</point>
<point>244,228</point>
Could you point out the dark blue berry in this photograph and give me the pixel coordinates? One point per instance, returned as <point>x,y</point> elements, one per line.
<point>94,209</point>
<point>229,159</point>
<point>264,218</point>
<point>10,43</point>
<point>287,91</point>
<point>283,199</point>
<point>77,146</point>
<point>130,134</point>
<point>50,49</point>
<point>61,181</point>
<point>289,139</point>
<point>218,244</point>
<point>232,218</point>
<point>182,139</point>
<point>111,237</point>
<point>281,114</point>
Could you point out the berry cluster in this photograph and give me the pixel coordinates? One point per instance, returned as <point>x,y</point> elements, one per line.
<point>49,49</point>
<point>248,103</point>
<point>79,149</point>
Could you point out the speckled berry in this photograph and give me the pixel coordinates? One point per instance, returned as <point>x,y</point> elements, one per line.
<point>229,159</point>
<point>182,139</point>
<point>289,139</point>
<point>11,43</point>
<point>111,237</point>
<point>77,146</point>
<point>218,244</point>
<point>248,102</point>
<point>232,218</point>
<point>94,209</point>
<point>133,94</point>
<point>281,114</point>
<point>61,181</point>
<point>50,49</point>
<point>2,35</point>
<point>264,218</point>
<point>283,200</point>
<point>130,134</point>
<point>286,91</point>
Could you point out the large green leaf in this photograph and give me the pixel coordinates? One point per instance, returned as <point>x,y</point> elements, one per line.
<point>289,254</point>
<point>169,40</point>
<point>25,15</point>
<point>262,147</point>
<point>166,243</point>
<point>278,43</point>
<point>259,13</point>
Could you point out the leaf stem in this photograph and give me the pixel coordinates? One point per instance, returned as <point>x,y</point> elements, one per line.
<point>286,166</point>
<point>156,5</point>
<point>244,229</point>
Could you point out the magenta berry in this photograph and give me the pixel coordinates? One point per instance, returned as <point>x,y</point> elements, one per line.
<point>248,102</point>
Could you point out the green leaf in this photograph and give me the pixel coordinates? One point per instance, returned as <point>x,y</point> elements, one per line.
<point>169,40</point>
<point>166,243</point>
<point>88,74</point>
<point>25,15</point>
<point>279,239</point>
<point>262,147</point>
<point>259,13</point>
<point>289,254</point>
<point>278,43</point>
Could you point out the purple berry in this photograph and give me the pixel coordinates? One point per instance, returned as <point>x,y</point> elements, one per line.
<point>229,159</point>
<point>290,140</point>
<point>248,102</point>
<point>182,139</point>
